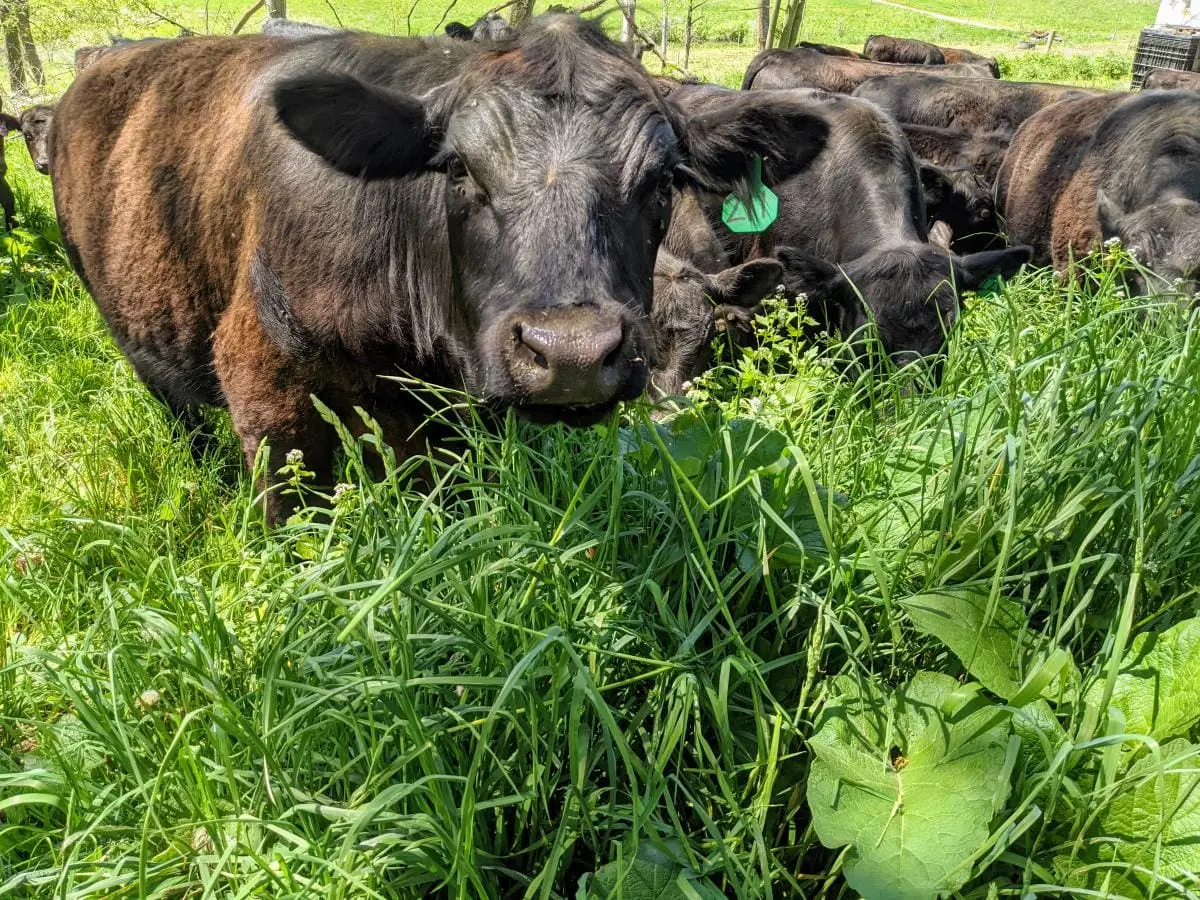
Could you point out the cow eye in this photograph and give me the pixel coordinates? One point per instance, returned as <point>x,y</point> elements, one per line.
<point>462,184</point>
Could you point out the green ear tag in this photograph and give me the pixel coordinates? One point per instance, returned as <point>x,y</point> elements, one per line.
<point>763,210</point>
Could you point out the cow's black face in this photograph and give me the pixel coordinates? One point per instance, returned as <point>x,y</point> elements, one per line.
<point>559,157</point>
<point>35,126</point>
<point>1164,237</point>
<point>555,211</point>
<point>910,291</point>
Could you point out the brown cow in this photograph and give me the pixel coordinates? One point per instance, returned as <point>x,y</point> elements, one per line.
<point>955,55</point>
<point>882,48</point>
<point>967,104</point>
<point>800,67</point>
<point>1122,165</point>
<point>1171,80</point>
<point>264,219</point>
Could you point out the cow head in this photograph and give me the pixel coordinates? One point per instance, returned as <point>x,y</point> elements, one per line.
<point>35,125</point>
<point>559,159</point>
<point>690,307</point>
<point>1164,237</point>
<point>963,200</point>
<point>910,291</point>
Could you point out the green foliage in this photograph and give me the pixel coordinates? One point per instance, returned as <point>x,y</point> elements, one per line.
<point>883,772</point>
<point>1146,839</point>
<point>1157,689</point>
<point>1106,70</point>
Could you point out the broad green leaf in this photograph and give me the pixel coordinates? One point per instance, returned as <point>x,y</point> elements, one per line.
<point>985,644</point>
<point>1158,688</point>
<point>651,875</point>
<point>1150,831</point>
<point>911,792</point>
<point>993,643</point>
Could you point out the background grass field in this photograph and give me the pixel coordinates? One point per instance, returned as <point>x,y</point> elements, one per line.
<point>618,662</point>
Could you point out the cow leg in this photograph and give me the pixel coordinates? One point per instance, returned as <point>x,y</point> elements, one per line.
<point>8,204</point>
<point>269,399</point>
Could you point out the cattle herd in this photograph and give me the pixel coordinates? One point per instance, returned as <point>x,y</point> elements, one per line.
<point>527,216</point>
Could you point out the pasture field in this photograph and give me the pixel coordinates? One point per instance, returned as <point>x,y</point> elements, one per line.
<point>811,637</point>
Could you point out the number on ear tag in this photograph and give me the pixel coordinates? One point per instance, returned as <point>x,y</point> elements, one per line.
<point>762,211</point>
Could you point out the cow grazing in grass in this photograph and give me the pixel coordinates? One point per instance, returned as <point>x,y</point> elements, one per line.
<point>1171,80</point>
<point>801,67</point>
<point>962,199</point>
<point>1122,166</point>
<point>967,104</point>
<point>34,124</point>
<point>286,218</point>
<point>953,148</point>
<point>882,48</point>
<point>852,234</point>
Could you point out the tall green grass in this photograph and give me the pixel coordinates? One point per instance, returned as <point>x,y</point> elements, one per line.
<point>586,660</point>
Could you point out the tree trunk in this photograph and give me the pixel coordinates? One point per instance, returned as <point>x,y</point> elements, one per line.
<point>791,24</point>
<point>276,9</point>
<point>666,26</point>
<point>687,35</point>
<point>12,49</point>
<point>764,23</point>
<point>28,47</point>
<point>521,12</point>
<point>628,17</point>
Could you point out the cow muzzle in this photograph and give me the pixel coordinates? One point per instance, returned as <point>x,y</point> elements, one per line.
<point>566,362</point>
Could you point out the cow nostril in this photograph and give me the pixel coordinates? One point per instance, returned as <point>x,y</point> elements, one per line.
<point>540,361</point>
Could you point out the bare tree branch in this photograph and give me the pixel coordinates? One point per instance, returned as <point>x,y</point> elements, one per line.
<point>247,15</point>
<point>333,9</point>
<point>445,14</point>
<point>161,17</point>
<point>649,43</point>
<point>503,6</point>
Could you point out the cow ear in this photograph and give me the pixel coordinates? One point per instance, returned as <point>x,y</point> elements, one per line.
<point>357,128</point>
<point>1109,214</point>
<point>935,184</point>
<point>747,284</point>
<point>804,274</point>
<point>458,31</point>
<point>725,130</point>
<point>976,268</point>
<point>8,124</point>
<point>941,234</point>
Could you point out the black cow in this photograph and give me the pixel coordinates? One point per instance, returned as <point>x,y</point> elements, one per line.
<point>7,201</point>
<point>492,27</point>
<point>286,218</point>
<point>962,199</point>
<point>852,235</point>
<point>35,124</point>
<point>965,104</point>
<point>883,48</point>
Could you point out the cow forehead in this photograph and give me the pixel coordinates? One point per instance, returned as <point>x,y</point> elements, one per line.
<point>518,136</point>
